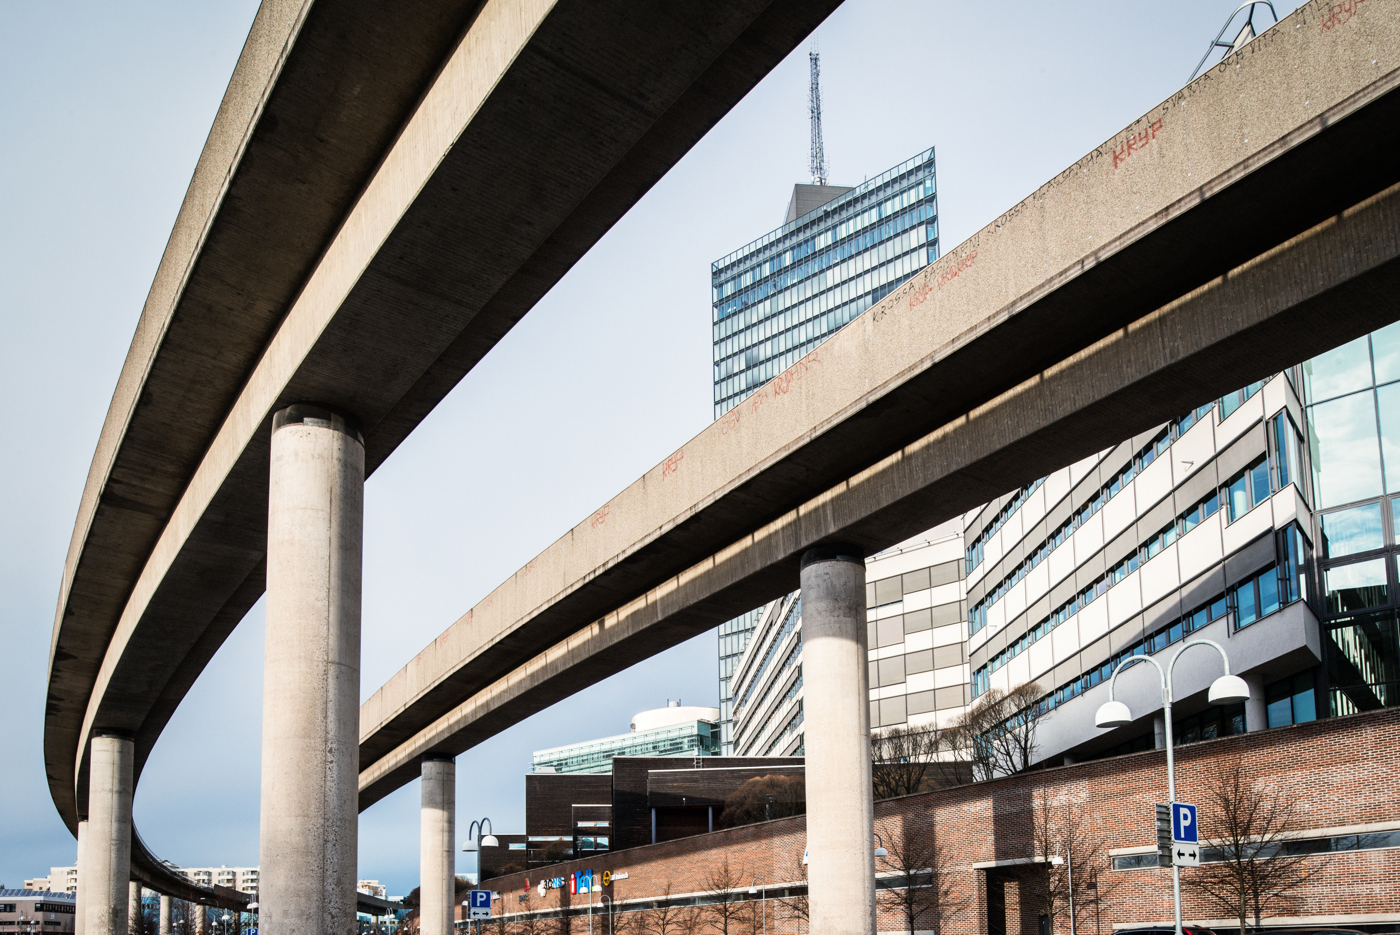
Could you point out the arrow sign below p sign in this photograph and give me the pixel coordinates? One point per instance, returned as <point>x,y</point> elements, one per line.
<point>1186,855</point>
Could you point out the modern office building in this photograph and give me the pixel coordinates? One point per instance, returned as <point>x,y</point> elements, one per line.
<point>917,647</point>
<point>36,910</point>
<point>1266,521</point>
<point>839,251</point>
<point>59,880</point>
<point>235,878</point>
<point>675,730</point>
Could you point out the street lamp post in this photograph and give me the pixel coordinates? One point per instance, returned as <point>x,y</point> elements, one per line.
<point>1228,689</point>
<point>1068,861</point>
<point>611,904</point>
<point>758,886</point>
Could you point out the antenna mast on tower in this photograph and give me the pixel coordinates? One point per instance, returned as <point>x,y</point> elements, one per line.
<point>815,106</point>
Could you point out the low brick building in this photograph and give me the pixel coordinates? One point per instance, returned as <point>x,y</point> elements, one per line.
<point>989,843</point>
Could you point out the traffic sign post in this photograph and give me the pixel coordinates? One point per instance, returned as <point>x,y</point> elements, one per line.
<point>1186,850</point>
<point>1164,835</point>
<point>479,904</point>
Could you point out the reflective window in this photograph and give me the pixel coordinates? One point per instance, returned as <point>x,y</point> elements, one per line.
<point>1347,532</point>
<point>1291,700</point>
<point>1363,664</point>
<point>1339,371</point>
<point>1356,586</point>
<point>1247,489</point>
<point>1345,453</point>
<point>1389,399</point>
<point>1385,350</point>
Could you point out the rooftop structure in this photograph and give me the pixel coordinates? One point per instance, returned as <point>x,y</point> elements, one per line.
<point>674,730</point>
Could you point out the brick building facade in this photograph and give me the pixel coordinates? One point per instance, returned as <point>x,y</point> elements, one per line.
<point>1342,776</point>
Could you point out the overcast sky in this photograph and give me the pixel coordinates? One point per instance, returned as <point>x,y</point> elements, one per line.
<point>104,109</point>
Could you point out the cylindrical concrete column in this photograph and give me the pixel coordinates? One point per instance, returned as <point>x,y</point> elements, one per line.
<point>107,839</point>
<point>165,907</point>
<point>836,701</point>
<point>438,856</point>
<point>1256,707</point>
<point>79,917</point>
<point>311,675</point>
<point>199,917</point>
<point>133,909</point>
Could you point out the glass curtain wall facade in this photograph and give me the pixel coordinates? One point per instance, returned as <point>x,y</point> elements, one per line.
<point>1353,419</point>
<point>782,295</point>
<point>692,738</point>
<point>777,298</point>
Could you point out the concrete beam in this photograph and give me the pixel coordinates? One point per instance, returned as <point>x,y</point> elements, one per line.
<point>1320,289</point>
<point>384,194</point>
<point>1292,130</point>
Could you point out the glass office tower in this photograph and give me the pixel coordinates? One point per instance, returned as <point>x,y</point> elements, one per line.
<point>840,251</point>
<point>782,295</point>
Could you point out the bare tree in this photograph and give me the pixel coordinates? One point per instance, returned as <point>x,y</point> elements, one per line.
<point>997,734</point>
<point>914,856</point>
<point>906,760</point>
<point>527,923</point>
<point>724,890</point>
<point>795,908</point>
<point>665,919</point>
<point>1061,841</point>
<point>1248,827</point>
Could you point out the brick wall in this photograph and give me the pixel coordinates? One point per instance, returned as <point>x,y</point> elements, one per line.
<point>1339,773</point>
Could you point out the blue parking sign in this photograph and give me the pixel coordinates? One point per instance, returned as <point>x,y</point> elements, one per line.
<point>1184,823</point>
<point>479,904</point>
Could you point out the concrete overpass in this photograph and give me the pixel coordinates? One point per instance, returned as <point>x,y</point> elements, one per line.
<point>1246,223</point>
<point>380,199</point>
<point>1190,253</point>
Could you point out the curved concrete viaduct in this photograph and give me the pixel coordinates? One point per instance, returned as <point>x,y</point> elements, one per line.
<point>382,196</point>
<point>1212,242</point>
<point>339,246</point>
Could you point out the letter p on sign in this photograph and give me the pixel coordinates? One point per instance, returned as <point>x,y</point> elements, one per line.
<point>1184,823</point>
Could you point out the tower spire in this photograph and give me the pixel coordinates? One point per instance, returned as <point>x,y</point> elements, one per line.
<point>818,166</point>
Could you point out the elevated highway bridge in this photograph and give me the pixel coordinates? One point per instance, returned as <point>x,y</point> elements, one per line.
<point>362,227</point>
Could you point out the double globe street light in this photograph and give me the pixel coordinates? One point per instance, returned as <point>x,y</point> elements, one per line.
<point>1228,689</point>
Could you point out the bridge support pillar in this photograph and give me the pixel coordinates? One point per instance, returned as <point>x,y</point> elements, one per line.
<point>438,865</point>
<point>311,675</point>
<point>199,913</point>
<point>165,907</point>
<point>133,908</point>
<point>79,915</point>
<point>106,843</point>
<point>840,800</point>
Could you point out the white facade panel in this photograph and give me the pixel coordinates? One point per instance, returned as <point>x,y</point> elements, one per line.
<point>1248,527</point>
<point>1093,621</point>
<point>1240,420</point>
<point>1056,486</point>
<point>1193,451</point>
<point>1034,507</point>
<point>1037,582</point>
<point>1080,469</point>
<point>946,593</point>
<point>1015,600</point>
<point>914,642</point>
<point>919,682</point>
<point>996,616</point>
<point>1200,548</point>
<point>1065,640</point>
<point>918,600</point>
<point>1119,513</point>
<point>1275,394</point>
<point>1088,539</point>
<point>1061,562</point>
<point>942,636</point>
<point>1155,482</point>
<point>1018,670</point>
<point>946,678</point>
<point>1124,599</point>
<point>1041,656</point>
<point>1160,575</point>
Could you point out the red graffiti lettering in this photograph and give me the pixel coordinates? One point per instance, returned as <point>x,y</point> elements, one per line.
<point>1136,142</point>
<point>956,270</point>
<point>729,422</point>
<point>672,464</point>
<point>1339,13</point>
<point>920,295</point>
<point>601,516</point>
